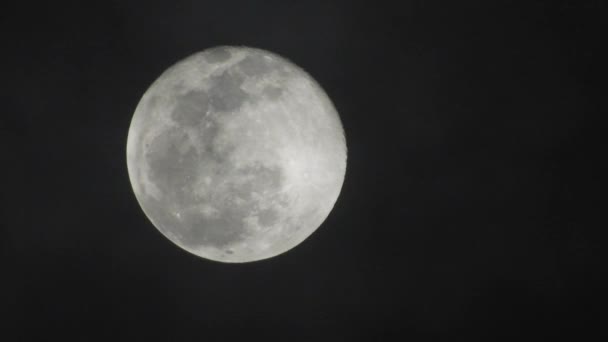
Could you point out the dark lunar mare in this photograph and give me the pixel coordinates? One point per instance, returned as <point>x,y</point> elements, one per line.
<point>217,55</point>
<point>226,93</point>
<point>171,171</point>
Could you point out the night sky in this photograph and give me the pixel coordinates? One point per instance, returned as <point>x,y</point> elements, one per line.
<point>470,206</point>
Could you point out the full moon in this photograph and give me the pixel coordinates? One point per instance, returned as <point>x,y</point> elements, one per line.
<point>235,154</point>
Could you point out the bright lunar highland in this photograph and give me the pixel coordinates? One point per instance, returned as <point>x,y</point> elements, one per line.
<point>235,154</point>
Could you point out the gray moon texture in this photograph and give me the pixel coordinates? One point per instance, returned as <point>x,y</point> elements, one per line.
<point>235,154</point>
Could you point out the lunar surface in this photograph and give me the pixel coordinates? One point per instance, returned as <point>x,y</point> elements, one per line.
<point>236,154</point>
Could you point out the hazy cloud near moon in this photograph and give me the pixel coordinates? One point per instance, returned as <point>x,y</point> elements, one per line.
<point>236,154</point>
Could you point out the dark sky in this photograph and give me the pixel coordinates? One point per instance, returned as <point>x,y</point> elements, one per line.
<point>470,206</point>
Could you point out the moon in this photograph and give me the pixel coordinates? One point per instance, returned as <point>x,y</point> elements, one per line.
<point>235,154</point>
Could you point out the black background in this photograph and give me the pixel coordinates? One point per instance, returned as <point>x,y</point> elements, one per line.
<point>470,206</point>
